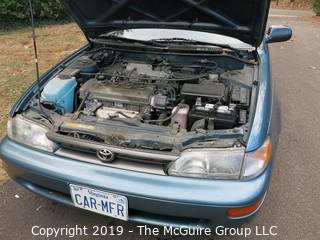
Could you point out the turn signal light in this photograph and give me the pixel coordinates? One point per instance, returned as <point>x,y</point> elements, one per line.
<point>244,211</point>
<point>255,162</point>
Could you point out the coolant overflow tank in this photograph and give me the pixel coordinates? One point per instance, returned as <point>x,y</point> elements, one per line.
<point>59,92</point>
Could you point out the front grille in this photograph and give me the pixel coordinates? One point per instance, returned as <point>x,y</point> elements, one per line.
<point>88,145</point>
<point>120,163</point>
<point>83,136</point>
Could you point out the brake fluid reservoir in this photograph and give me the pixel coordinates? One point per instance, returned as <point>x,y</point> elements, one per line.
<point>59,92</point>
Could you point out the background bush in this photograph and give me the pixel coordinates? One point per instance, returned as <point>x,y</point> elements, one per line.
<point>18,10</point>
<point>317,7</point>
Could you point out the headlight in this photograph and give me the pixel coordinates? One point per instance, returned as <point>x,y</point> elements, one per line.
<point>255,162</point>
<point>29,133</point>
<point>230,163</point>
<point>209,163</point>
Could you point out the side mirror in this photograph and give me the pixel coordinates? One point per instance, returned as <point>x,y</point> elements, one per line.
<point>278,34</point>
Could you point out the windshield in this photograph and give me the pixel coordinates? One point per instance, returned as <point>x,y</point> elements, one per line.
<point>147,34</point>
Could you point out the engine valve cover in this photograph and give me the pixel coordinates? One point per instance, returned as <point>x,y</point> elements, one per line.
<point>108,113</point>
<point>125,93</point>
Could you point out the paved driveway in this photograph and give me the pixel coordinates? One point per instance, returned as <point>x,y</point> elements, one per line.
<point>293,202</point>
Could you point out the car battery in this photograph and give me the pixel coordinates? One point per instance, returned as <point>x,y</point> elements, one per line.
<point>224,117</point>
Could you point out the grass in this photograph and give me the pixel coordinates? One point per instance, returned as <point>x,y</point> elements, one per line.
<point>3,176</point>
<point>17,61</point>
<point>297,4</point>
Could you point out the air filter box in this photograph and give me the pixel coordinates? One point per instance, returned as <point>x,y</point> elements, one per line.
<point>210,90</point>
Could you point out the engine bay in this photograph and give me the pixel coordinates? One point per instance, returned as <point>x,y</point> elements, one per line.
<point>144,96</point>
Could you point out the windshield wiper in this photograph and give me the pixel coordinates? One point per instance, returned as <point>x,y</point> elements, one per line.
<point>217,47</point>
<point>123,40</point>
<point>170,44</point>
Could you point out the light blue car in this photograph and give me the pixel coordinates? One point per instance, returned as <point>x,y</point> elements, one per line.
<point>166,117</point>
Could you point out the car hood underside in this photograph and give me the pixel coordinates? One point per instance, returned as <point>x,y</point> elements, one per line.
<point>244,20</point>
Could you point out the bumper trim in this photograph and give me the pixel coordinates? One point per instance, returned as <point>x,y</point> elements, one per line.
<point>135,216</point>
<point>44,192</point>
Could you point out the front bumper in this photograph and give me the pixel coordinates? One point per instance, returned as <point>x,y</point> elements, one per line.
<point>153,199</point>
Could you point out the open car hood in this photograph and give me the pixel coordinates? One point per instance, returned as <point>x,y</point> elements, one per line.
<point>242,19</point>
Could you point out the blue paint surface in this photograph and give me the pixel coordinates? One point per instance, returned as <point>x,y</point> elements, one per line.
<point>60,93</point>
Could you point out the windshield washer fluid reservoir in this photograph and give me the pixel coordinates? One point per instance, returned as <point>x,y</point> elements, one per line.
<point>59,92</point>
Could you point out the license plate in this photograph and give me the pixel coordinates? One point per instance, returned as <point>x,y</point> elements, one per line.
<point>101,202</point>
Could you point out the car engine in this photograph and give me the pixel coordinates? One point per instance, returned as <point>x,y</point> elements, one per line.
<point>188,95</point>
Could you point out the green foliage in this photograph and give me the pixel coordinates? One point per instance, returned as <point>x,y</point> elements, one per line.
<point>317,7</point>
<point>18,10</point>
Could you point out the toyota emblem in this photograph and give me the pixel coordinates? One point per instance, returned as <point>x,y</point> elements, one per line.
<point>105,155</point>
